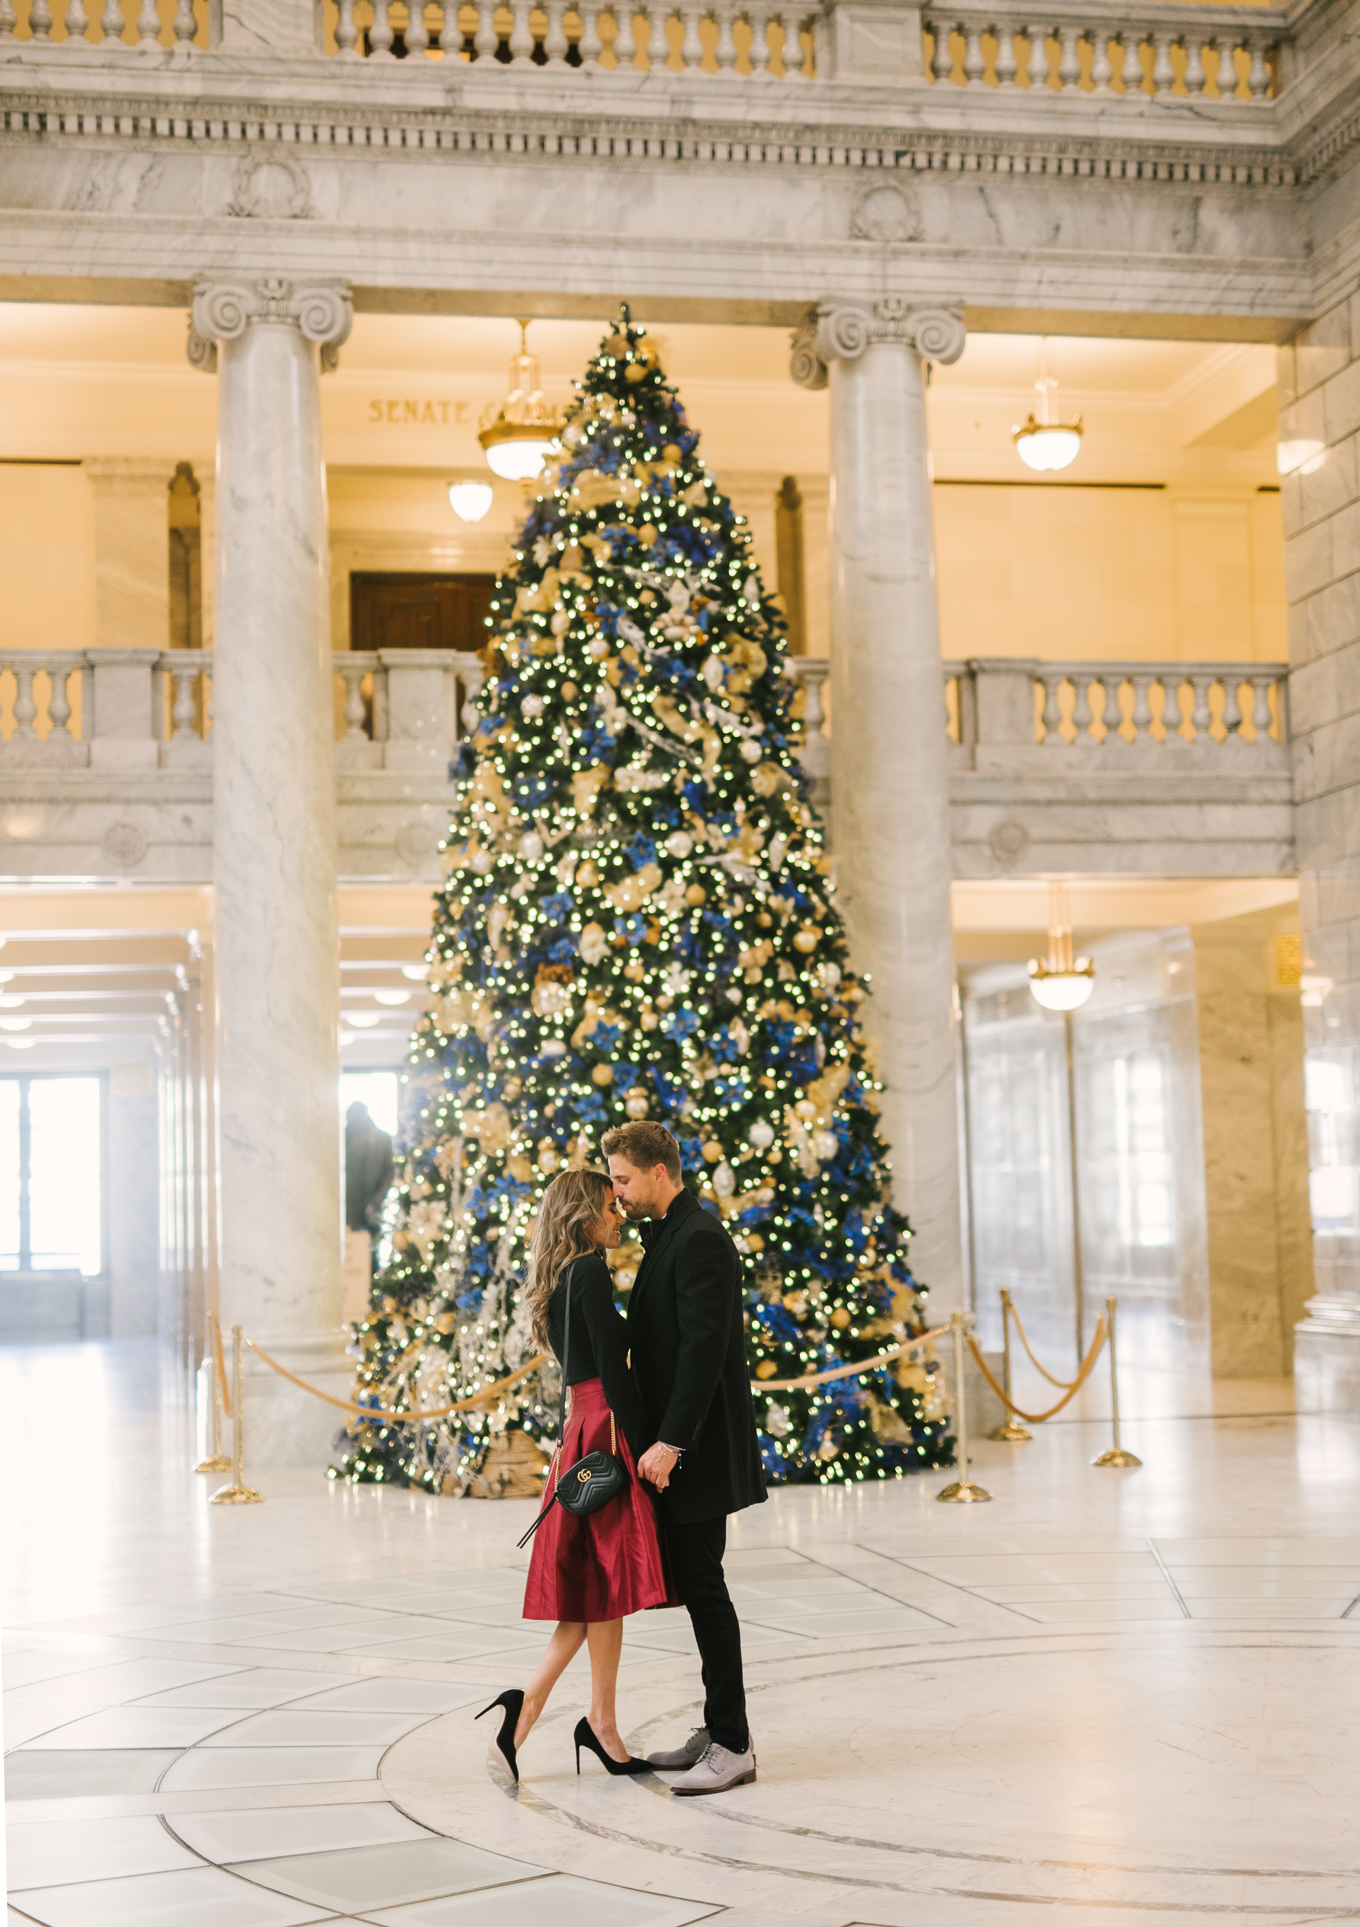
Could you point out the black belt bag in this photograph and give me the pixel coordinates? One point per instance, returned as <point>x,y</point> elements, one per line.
<point>594,1480</point>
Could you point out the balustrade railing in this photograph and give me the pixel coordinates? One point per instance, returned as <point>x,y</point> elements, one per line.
<point>1209,53</point>
<point>140,709</point>
<point>1116,53</point>
<point>408,710</point>
<point>1104,709</point>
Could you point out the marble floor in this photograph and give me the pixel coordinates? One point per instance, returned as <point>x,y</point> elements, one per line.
<point>1112,1694</point>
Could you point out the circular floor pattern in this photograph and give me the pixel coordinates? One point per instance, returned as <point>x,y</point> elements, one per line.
<point>985,1775</point>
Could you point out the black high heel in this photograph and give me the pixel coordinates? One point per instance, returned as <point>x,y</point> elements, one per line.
<point>513,1702</point>
<point>584,1736</point>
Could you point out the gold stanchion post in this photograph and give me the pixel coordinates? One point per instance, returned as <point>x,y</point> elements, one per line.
<point>238,1492</point>
<point>217,1460</point>
<point>1116,1455</point>
<point>1010,1428</point>
<point>962,1491</point>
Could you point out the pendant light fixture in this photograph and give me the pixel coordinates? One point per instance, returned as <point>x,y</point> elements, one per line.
<point>1043,444</point>
<point>523,432</point>
<point>1060,981</point>
<point>470,501</point>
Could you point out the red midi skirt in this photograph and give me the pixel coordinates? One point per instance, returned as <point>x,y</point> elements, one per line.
<point>612,1563</point>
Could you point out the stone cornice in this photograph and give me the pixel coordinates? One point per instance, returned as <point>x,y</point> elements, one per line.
<point>1156,151</point>
<point>822,122</point>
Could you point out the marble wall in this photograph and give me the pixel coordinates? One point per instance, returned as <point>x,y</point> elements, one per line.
<point>131,550</point>
<point>1320,450</point>
<point>1251,1084</point>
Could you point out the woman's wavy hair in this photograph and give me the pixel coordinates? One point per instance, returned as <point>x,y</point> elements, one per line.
<point>571,1204</point>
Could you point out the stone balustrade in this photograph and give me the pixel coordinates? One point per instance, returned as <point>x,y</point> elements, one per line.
<point>1127,54</point>
<point>146,709</point>
<point>1127,768</point>
<point>1188,714</point>
<point>1153,51</point>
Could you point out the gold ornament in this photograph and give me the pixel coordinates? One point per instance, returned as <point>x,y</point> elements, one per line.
<point>806,939</point>
<point>649,1020</point>
<point>712,1150</point>
<point>840,1318</point>
<point>569,692</point>
<point>603,1074</point>
<point>636,1102</point>
<point>766,1368</point>
<point>695,895</point>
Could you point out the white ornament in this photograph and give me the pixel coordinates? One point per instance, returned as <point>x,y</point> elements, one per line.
<point>761,1134</point>
<point>679,843</point>
<point>593,944</point>
<point>712,672</point>
<point>750,750</point>
<point>724,1180</point>
<point>531,846</point>
<point>675,980</point>
<point>597,647</point>
<point>777,1422</point>
<point>533,705</point>
<point>829,975</point>
<point>481,861</point>
<point>752,589</point>
<point>560,623</point>
<point>825,1144</point>
<point>554,1047</point>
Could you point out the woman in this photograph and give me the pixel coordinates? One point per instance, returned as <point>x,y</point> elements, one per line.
<point>587,1574</point>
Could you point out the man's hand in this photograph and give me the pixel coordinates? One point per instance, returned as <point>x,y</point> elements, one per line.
<point>656,1465</point>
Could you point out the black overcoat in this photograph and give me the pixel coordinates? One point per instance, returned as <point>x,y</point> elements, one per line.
<point>689,1360</point>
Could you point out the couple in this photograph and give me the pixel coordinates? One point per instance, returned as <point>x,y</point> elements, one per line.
<point>680,1418</point>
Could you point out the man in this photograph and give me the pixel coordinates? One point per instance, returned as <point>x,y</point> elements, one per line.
<point>689,1360</point>
<point>368,1174</point>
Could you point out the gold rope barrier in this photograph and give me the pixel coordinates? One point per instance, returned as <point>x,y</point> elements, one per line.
<point>1037,1418</point>
<point>401,1418</point>
<point>1010,1431</point>
<point>504,1384</point>
<point>217,1460</point>
<point>1061,1383</point>
<point>848,1371</point>
<point>221,1366</point>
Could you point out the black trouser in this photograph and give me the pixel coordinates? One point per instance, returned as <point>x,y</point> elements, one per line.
<point>696,1564</point>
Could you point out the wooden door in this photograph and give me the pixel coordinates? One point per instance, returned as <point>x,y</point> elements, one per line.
<point>389,611</point>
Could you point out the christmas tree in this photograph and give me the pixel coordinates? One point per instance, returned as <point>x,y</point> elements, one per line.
<point>638,921</point>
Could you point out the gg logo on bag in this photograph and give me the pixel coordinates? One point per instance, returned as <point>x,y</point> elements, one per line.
<point>584,1475</point>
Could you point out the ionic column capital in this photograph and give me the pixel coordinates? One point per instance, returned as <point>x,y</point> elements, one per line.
<point>842,330</point>
<point>223,310</point>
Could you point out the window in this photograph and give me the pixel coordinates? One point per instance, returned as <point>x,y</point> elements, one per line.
<point>52,1173</point>
<point>380,1090</point>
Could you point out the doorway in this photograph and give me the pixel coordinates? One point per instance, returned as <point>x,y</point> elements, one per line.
<point>419,611</point>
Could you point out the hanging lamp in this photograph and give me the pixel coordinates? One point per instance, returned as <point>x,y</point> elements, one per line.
<point>1043,444</point>
<point>1060,981</point>
<point>520,434</point>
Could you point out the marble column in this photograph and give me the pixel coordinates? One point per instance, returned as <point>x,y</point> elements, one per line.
<point>274,852</point>
<point>889,784</point>
<point>1320,469</point>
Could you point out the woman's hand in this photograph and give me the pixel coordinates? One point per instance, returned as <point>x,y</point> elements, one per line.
<point>657,1463</point>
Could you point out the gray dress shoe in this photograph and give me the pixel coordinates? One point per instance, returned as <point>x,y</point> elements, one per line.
<point>716,1770</point>
<point>681,1757</point>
